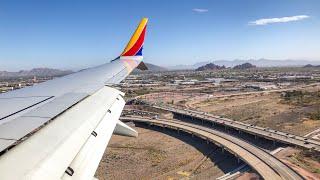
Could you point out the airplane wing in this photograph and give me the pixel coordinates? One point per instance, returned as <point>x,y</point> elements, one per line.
<point>59,129</point>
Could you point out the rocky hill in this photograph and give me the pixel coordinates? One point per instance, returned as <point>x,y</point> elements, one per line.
<point>209,67</point>
<point>256,62</point>
<point>153,68</point>
<point>311,66</point>
<point>244,66</point>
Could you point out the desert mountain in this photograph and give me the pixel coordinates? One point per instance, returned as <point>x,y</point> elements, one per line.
<point>209,67</point>
<point>244,66</point>
<point>152,67</point>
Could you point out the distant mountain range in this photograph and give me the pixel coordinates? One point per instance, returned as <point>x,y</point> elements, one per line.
<point>48,72</point>
<point>41,72</point>
<point>45,72</point>
<point>188,66</point>
<point>211,66</point>
<point>258,63</point>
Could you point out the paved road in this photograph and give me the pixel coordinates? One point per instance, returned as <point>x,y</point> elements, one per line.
<point>267,133</point>
<point>264,163</point>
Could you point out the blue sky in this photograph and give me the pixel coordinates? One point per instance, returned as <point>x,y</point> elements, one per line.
<point>76,34</point>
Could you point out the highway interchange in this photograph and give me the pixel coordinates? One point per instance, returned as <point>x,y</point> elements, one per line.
<point>206,126</point>
<point>263,162</point>
<point>267,133</point>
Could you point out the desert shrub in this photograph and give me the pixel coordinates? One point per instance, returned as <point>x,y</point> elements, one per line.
<point>315,115</point>
<point>300,98</point>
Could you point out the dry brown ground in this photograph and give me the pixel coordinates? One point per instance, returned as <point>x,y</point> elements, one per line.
<point>307,167</point>
<point>248,176</point>
<point>155,155</point>
<point>263,110</point>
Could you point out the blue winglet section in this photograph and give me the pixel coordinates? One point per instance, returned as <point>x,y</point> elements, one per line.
<point>139,53</point>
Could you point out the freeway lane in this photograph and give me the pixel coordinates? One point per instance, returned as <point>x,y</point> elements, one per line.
<point>264,163</point>
<point>251,129</point>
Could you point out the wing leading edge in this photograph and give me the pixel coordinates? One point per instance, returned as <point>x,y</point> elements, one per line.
<point>61,128</point>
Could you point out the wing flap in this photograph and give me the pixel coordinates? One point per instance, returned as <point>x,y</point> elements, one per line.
<point>48,152</point>
<point>86,162</point>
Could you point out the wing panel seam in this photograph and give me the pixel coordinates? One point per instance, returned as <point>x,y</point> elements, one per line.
<point>26,108</point>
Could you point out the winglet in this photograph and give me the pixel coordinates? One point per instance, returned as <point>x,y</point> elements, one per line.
<point>135,45</point>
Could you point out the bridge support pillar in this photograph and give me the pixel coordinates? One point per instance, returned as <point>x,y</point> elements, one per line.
<point>212,124</point>
<point>222,150</point>
<point>274,143</point>
<point>255,137</point>
<point>239,160</point>
<point>192,135</point>
<point>207,141</point>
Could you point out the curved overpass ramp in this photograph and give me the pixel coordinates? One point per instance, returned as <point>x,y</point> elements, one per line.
<point>261,161</point>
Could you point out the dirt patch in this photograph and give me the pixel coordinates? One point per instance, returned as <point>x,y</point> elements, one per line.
<point>304,162</point>
<point>249,175</point>
<point>264,110</point>
<point>155,155</point>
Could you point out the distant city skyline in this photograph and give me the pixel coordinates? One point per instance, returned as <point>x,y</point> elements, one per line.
<point>79,34</point>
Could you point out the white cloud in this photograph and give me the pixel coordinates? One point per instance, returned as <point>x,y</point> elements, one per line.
<point>261,22</point>
<point>198,10</point>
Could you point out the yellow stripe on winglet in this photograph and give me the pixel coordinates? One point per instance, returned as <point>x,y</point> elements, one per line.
<point>136,35</point>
